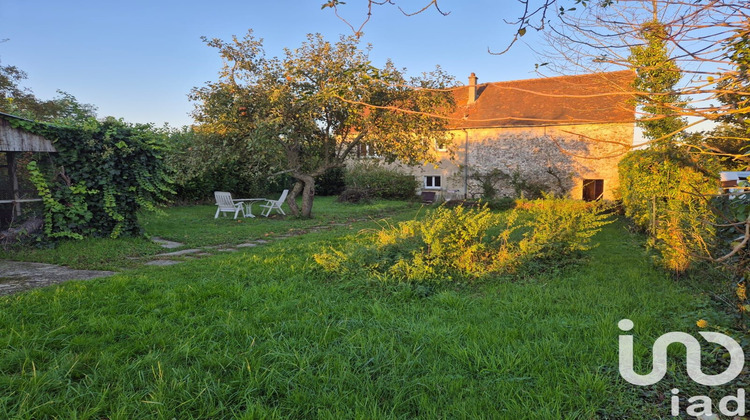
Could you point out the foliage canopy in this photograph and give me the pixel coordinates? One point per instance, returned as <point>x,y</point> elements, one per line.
<point>307,111</point>
<point>665,192</point>
<point>17,100</point>
<point>459,244</point>
<point>103,174</point>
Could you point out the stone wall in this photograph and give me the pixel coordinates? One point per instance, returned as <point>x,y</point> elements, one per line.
<point>557,158</point>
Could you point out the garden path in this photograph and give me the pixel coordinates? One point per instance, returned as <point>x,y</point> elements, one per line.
<point>18,276</point>
<point>166,259</point>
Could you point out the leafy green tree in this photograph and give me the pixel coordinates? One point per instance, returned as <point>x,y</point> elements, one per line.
<point>733,136</point>
<point>20,101</point>
<point>656,77</point>
<point>728,142</point>
<point>307,111</point>
<point>10,77</point>
<point>735,87</point>
<point>201,163</point>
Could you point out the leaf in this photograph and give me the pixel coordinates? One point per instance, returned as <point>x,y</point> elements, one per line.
<point>522,32</point>
<point>332,3</point>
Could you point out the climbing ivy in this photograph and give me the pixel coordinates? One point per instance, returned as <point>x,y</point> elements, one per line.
<point>103,174</point>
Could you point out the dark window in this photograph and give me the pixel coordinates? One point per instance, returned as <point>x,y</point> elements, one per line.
<point>432,181</point>
<point>593,189</point>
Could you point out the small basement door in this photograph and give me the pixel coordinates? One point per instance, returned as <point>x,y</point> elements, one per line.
<point>593,189</point>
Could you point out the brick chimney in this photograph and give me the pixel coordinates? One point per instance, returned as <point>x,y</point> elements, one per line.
<point>472,89</point>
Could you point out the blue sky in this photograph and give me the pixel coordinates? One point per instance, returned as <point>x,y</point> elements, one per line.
<point>138,59</point>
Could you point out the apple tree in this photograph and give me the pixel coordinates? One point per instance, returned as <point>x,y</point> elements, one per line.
<point>309,110</point>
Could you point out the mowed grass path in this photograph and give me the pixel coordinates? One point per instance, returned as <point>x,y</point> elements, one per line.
<point>263,333</point>
<point>194,226</point>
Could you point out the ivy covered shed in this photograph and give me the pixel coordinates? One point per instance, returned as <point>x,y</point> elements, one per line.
<point>14,142</point>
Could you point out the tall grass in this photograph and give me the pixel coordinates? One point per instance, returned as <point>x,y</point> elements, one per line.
<point>194,226</point>
<point>263,333</point>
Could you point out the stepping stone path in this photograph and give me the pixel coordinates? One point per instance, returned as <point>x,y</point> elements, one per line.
<point>163,259</point>
<point>16,276</point>
<point>165,243</point>
<point>162,263</point>
<point>178,253</point>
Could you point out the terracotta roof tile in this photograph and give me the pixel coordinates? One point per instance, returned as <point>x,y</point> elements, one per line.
<point>584,99</point>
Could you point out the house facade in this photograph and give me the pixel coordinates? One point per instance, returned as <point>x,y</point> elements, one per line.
<point>563,135</point>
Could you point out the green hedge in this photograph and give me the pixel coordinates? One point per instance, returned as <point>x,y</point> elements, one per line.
<point>664,191</point>
<point>381,182</point>
<point>103,174</point>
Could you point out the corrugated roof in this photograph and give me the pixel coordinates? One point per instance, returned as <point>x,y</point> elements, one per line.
<point>585,99</point>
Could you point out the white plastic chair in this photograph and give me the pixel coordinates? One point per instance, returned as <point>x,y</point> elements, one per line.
<point>227,205</point>
<point>274,205</point>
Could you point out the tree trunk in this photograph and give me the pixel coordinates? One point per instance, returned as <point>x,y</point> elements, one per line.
<point>308,194</point>
<point>291,198</point>
<point>12,235</point>
<point>305,184</point>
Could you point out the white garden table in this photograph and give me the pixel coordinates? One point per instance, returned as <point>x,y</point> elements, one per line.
<point>248,203</point>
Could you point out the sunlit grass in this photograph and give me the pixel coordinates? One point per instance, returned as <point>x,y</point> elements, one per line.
<point>194,226</point>
<point>263,333</point>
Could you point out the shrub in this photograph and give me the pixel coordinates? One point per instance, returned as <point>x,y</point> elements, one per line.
<point>561,227</point>
<point>381,182</point>
<point>331,182</point>
<point>203,163</point>
<point>471,243</point>
<point>663,191</point>
<point>103,174</point>
<point>504,203</point>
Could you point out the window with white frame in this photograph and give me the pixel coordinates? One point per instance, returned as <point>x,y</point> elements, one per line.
<point>432,182</point>
<point>367,150</point>
<point>439,148</point>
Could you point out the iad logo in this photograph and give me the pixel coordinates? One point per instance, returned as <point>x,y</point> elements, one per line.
<point>693,357</point>
<point>693,361</point>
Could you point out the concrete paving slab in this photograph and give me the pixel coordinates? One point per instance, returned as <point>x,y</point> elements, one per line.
<point>163,263</point>
<point>16,276</point>
<point>178,253</point>
<point>166,243</point>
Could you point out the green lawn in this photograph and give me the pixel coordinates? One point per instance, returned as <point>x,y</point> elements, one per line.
<point>263,333</point>
<point>194,226</point>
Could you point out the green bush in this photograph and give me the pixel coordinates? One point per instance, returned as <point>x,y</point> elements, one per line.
<point>664,192</point>
<point>471,243</point>
<point>504,203</point>
<point>203,163</point>
<point>561,227</point>
<point>331,182</point>
<point>381,182</point>
<point>354,196</point>
<point>103,174</point>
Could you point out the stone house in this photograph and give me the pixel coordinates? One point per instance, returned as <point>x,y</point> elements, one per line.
<point>560,134</point>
